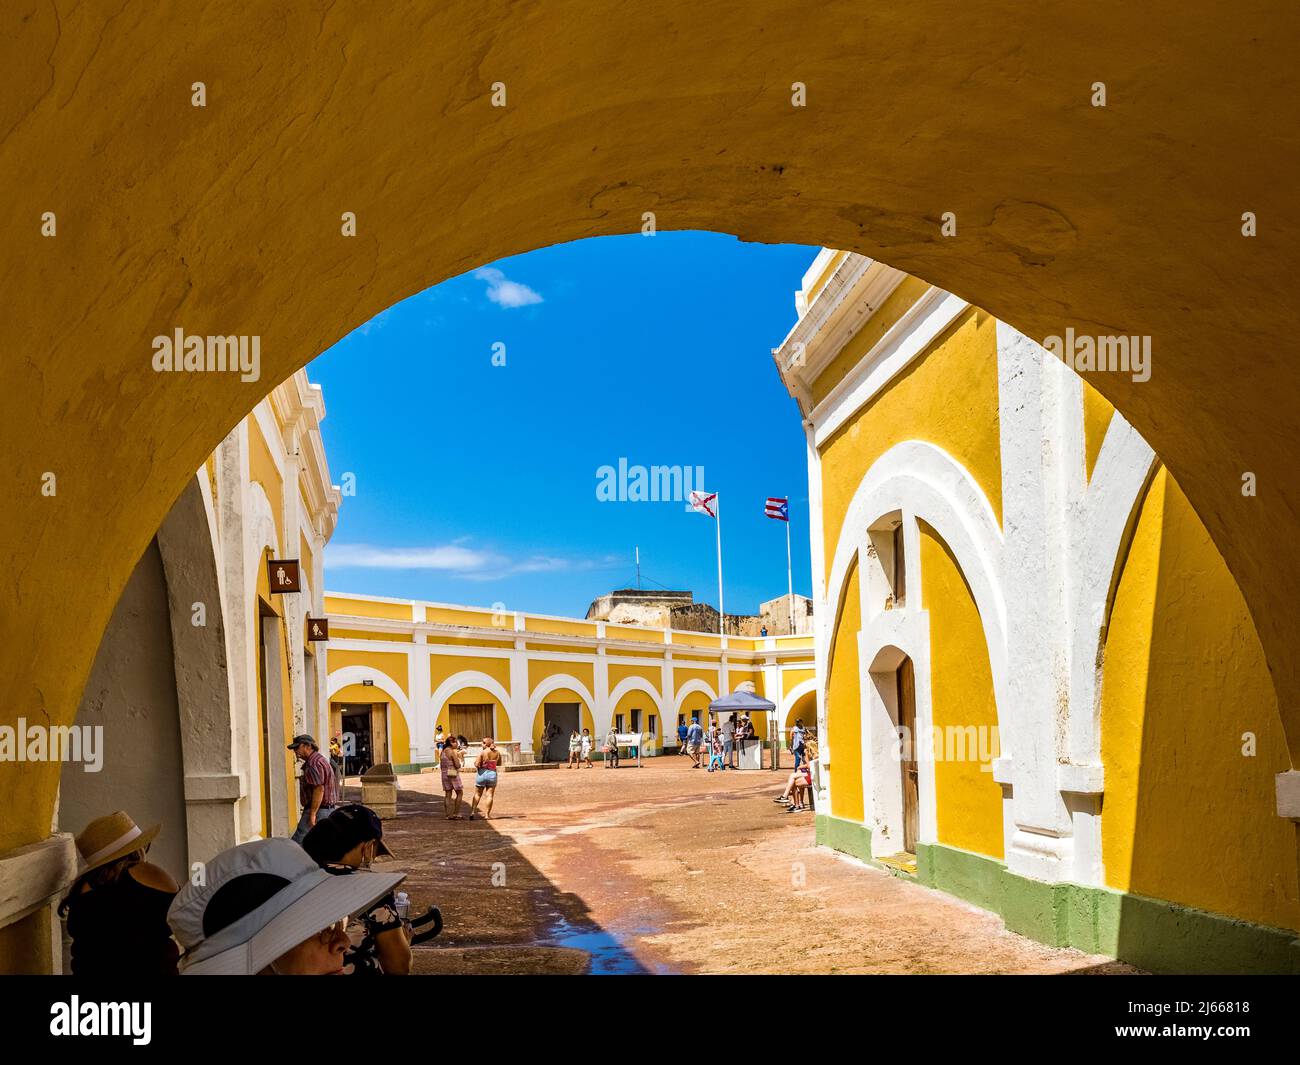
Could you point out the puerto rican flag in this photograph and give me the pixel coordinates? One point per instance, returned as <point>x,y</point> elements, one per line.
<point>778,508</point>
<point>705,503</point>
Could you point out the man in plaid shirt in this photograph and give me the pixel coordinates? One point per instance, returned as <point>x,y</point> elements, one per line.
<point>316,788</point>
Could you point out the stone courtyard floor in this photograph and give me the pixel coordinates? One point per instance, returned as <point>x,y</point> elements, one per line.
<point>668,869</point>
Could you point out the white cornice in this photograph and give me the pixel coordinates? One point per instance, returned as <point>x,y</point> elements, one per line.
<point>853,293</point>
<point>907,338</point>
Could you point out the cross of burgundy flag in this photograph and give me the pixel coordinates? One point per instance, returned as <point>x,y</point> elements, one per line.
<point>705,503</point>
<point>778,508</point>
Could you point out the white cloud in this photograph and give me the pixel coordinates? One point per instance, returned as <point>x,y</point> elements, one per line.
<point>456,560</point>
<point>504,292</point>
<point>449,557</point>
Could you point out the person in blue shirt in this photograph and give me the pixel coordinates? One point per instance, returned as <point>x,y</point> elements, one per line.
<point>681,738</point>
<point>695,744</point>
<point>798,737</point>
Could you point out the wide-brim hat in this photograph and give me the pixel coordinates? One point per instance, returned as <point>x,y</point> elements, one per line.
<point>270,896</point>
<point>108,838</point>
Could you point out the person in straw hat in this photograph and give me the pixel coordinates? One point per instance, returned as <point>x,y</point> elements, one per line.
<point>116,909</point>
<point>266,907</point>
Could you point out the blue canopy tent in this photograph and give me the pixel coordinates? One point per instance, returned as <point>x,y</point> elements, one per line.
<point>746,702</point>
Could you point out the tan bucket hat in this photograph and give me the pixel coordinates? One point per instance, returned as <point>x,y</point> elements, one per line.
<point>109,838</point>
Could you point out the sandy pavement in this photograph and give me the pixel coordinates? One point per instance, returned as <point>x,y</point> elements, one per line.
<point>665,869</point>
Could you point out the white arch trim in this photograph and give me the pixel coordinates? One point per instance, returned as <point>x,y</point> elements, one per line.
<point>554,683</point>
<point>469,678</point>
<point>690,687</point>
<point>630,684</point>
<point>796,693</point>
<point>1099,528</point>
<point>925,482</point>
<point>341,678</point>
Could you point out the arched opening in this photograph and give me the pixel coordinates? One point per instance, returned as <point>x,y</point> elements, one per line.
<point>693,132</point>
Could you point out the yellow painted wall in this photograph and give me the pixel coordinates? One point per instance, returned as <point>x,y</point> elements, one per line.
<point>792,678</point>
<point>365,608</point>
<point>633,632</point>
<point>968,802</point>
<point>652,675</point>
<point>475,618</point>
<point>844,708</point>
<point>306,558</point>
<point>805,709</point>
<point>682,677</point>
<point>948,397</point>
<point>1097,413</point>
<point>539,670</point>
<point>697,639</point>
<point>262,470</point>
<point>563,628</point>
<point>443,667</point>
<point>399,735</point>
<point>1186,816</point>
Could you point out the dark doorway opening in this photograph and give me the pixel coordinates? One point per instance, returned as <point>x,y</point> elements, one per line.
<point>564,716</point>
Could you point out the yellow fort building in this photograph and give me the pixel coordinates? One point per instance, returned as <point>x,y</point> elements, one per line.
<point>1035,683</point>
<point>1005,572</point>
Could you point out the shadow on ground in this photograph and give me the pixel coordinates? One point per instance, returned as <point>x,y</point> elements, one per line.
<point>501,914</point>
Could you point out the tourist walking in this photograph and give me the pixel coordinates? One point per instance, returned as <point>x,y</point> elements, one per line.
<point>798,736</point>
<point>729,741</point>
<point>575,748</point>
<point>695,743</point>
<point>438,739</point>
<point>117,908</point>
<point>611,749</point>
<point>587,744</point>
<point>485,777</point>
<point>681,738</point>
<point>453,791</point>
<point>336,760</point>
<point>715,748</point>
<point>317,787</point>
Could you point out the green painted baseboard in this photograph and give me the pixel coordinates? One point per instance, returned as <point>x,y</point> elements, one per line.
<point>848,837</point>
<point>1158,936</point>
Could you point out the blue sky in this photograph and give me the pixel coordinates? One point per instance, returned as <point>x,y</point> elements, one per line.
<point>476,483</point>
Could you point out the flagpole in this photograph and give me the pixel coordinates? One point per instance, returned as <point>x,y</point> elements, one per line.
<point>717,502</point>
<point>789,573</point>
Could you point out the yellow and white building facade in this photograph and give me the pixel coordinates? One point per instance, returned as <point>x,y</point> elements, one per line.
<point>1006,576</point>
<point>410,666</point>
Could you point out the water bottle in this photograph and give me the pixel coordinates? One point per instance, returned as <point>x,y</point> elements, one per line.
<point>403,901</point>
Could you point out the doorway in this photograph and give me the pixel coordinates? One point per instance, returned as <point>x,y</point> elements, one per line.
<point>358,737</point>
<point>472,720</point>
<point>906,681</point>
<point>565,718</point>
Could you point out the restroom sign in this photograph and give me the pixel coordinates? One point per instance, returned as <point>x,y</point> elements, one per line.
<point>283,575</point>
<point>318,629</point>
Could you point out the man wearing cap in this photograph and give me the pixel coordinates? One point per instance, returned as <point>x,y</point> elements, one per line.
<point>316,787</point>
<point>267,907</point>
<point>347,841</point>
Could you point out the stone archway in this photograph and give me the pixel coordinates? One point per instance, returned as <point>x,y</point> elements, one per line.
<point>225,220</point>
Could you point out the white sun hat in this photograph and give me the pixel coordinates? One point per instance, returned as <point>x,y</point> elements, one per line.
<point>259,900</point>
